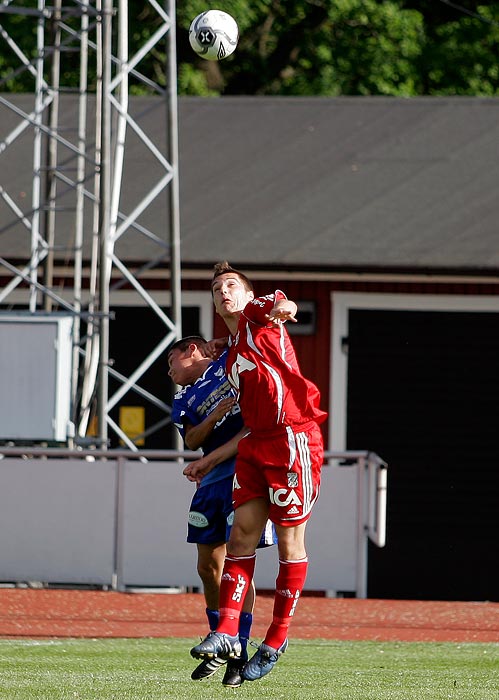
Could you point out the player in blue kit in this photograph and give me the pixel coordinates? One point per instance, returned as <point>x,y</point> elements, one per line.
<point>207,416</point>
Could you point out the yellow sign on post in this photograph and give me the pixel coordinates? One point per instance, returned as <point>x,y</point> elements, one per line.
<point>132,423</point>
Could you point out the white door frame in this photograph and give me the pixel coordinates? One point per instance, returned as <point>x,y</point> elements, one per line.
<point>342,303</point>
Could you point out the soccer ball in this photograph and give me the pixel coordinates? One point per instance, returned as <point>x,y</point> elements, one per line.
<point>213,35</point>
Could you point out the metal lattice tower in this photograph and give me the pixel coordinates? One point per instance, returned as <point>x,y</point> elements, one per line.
<point>77,178</point>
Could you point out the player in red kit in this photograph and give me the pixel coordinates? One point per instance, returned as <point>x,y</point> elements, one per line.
<point>278,464</point>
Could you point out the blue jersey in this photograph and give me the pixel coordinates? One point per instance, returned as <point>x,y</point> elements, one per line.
<point>194,402</point>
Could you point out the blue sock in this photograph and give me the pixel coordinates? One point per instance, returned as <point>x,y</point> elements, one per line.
<point>213,617</point>
<point>245,622</point>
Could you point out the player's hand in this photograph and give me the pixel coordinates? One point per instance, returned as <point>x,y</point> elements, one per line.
<point>223,407</point>
<point>284,310</point>
<point>197,469</point>
<point>215,347</point>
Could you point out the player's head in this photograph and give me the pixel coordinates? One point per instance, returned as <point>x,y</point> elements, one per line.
<point>231,290</point>
<point>224,268</point>
<point>187,359</point>
<point>187,340</point>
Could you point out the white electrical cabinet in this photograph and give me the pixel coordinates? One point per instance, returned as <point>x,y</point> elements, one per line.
<point>36,353</point>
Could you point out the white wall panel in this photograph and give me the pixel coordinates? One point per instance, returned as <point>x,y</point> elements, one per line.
<point>124,523</point>
<point>57,521</point>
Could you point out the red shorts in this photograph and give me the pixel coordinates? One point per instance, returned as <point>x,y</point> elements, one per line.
<point>283,469</point>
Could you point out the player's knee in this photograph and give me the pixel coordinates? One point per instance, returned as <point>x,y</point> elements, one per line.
<point>209,572</point>
<point>291,543</point>
<point>242,544</point>
<point>292,553</point>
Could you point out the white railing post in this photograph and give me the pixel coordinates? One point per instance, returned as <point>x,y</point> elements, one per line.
<point>362,508</point>
<point>119,523</point>
<point>376,522</point>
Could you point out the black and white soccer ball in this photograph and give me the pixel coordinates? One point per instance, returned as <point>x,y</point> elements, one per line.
<point>214,35</point>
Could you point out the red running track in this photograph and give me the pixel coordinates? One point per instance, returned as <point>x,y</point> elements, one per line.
<point>77,613</point>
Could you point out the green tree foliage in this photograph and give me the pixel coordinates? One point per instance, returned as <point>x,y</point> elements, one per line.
<point>15,75</point>
<point>349,47</point>
<point>303,47</point>
<point>18,46</point>
<point>321,47</point>
<point>464,60</point>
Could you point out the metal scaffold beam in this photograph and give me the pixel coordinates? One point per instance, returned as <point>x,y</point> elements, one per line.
<point>64,233</point>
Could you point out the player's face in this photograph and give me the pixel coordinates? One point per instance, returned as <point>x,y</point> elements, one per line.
<point>230,296</point>
<point>179,363</point>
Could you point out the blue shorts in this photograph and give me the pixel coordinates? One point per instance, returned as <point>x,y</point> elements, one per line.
<point>211,515</point>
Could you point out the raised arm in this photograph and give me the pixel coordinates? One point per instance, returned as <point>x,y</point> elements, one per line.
<point>283,310</point>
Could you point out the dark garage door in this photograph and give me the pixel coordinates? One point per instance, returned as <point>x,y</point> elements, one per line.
<point>423,392</point>
<point>134,333</point>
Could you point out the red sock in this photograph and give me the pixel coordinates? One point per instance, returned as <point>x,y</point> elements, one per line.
<point>236,579</point>
<point>288,586</point>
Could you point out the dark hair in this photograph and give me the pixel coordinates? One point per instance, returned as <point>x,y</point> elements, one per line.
<point>222,268</point>
<point>184,343</point>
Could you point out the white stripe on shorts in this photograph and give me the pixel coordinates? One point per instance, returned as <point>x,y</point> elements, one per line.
<point>306,472</point>
<point>298,443</point>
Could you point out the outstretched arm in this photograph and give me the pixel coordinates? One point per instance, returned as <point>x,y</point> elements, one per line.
<point>283,310</point>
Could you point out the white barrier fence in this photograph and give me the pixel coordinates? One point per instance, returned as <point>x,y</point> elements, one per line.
<point>118,519</point>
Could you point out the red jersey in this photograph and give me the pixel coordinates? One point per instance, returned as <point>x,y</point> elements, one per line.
<point>262,366</point>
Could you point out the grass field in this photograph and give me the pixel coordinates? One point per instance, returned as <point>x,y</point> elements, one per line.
<point>155,669</point>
